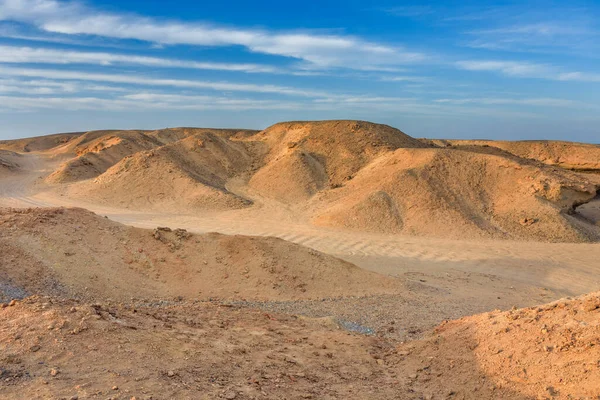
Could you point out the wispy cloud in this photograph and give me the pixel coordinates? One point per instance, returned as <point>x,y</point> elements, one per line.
<point>409,11</point>
<point>140,80</point>
<point>537,102</point>
<point>71,18</point>
<point>528,70</point>
<point>15,54</point>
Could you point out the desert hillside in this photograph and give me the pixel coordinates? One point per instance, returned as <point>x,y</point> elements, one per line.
<point>75,253</point>
<point>9,162</point>
<point>350,175</point>
<point>568,155</point>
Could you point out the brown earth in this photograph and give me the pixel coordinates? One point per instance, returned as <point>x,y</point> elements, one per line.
<point>568,155</point>
<point>461,194</point>
<point>38,143</point>
<point>9,162</point>
<point>66,349</point>
<point>75,253</point>
<point>113,311</point>
<point>340,174</point>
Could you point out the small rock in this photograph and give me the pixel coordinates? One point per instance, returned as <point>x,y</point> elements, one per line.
<point>12,303</point>
<point>230,395</point>
<point>35,348</point>
<point>115,388</point>
<point>53,372</point>
<point>170,373</point>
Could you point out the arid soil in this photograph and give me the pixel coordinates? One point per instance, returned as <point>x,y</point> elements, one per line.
<point>323,260</point>
<point>67,349</point>
<point>351,175</point>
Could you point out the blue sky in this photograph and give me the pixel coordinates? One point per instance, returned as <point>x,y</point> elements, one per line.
<point>500,70</point>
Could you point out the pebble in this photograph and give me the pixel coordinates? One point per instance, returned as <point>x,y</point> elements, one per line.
<point>53,372</point>
<point>170,374</point>
<point>230,395</point>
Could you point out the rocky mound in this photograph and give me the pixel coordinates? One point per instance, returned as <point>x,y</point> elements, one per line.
<point>65,349</point>
<point>38,143</point>
<point>550,351</point>
<point>568,155</point>
<point>97,151</point>
<point>447,192</point>
<point>330,151</point>
<point>95,156</point>
<point>191,173</point>
<point>204,349</point>
<point>73,252</point>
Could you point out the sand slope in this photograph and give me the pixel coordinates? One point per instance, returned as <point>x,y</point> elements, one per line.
<point>458,193</point>
<point>9,162</point>
<point>38,143</point>
<point>551,351</point>
<point>569,155</point>
<point>73,252</point>
<point>351,175</point>
<point>188,174</point>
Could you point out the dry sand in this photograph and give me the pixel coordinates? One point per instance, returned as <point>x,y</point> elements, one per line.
<point>341,174</point>
<point>385,237</point>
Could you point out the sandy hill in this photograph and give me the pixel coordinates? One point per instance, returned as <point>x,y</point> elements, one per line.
<point>97,151</point>
<point>209,350</point>
<point>458,193</point>
<point>551,351</point>
<point>191,173</point>
<point>343,174</point>
<point>73,252</point>
<point>568,155</point>
<point>305,157</point>
<point>38,143</point>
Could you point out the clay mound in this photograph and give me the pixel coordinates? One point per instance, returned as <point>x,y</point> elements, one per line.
<point>568,155</point>
<point>38,143</point>
<point>341,147</point>
<point>95,156</point>
<point>189,174</point>
<point>451,193</point>
<point>550,351</point>
<point>73,252</point>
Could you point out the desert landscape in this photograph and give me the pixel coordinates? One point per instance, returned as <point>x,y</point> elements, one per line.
<point>310,260</point>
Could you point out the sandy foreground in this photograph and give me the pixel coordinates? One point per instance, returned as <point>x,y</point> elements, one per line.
<point>114,308</point>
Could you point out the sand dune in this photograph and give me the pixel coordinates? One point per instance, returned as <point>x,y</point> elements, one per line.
<point>73,252</point>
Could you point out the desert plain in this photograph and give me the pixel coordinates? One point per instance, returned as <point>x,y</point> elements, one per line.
<point>310,260</point>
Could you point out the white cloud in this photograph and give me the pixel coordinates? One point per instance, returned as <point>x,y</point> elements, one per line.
<point>542,102</point>
<point>14,54</point>
<point>71,18</point>
<point>139,80</point>
<point>511,68</point>
<point>528,70</point>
